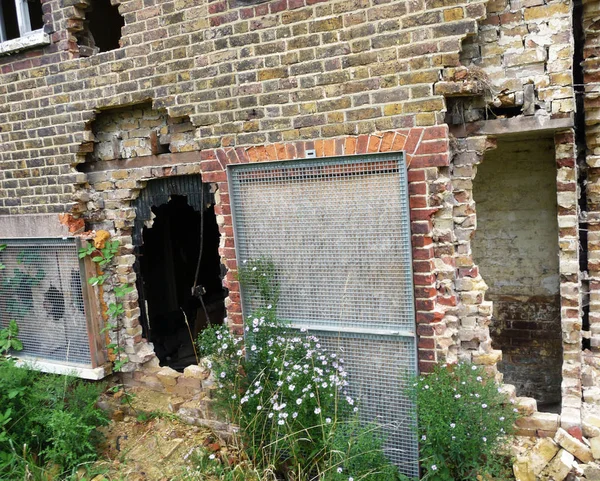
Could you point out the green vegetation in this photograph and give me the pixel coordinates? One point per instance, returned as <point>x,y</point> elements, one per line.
<point>464,424</point>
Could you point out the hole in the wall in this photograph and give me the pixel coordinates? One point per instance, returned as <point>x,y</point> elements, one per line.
<point>136,131</point>
<point>516,248</point>
<point>102,28</point>
<point>168,261</point>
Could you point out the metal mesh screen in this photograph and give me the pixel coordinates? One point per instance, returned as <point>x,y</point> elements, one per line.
<point>378,367</point>
<point>41,289</point>
<point>337,231</point>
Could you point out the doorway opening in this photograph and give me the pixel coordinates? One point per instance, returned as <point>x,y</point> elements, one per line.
<point>180,277</point>
<point>516,248</point>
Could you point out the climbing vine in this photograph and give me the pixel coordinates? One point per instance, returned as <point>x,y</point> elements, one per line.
<point>102,254</point>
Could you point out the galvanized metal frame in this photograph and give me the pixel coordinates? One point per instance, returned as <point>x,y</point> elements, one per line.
<point>402,446</point>
<point>89,345</point>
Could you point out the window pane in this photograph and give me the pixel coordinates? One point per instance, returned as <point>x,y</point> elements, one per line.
<point>9,15</point>
<point>35,14</point>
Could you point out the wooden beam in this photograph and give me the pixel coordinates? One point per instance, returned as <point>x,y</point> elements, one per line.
<point>513,125</point>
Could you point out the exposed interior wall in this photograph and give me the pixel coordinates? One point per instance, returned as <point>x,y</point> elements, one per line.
<point>516,248</point>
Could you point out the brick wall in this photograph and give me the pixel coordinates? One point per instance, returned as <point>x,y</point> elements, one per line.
<point>232,83</point>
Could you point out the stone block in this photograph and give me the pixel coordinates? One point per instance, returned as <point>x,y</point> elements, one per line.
<point>196,372</point>
<point>168,376</point>
<point>573,446</point>
<point>542,454</point>
<point>595,444</point>
<point>591,472</point>
<point>559,467</point>
<point>543,421</point>
<point>522,470</point>
<point>526,405</point>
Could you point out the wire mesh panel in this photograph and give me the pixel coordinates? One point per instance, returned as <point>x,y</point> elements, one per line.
<point>41,289</point>
<point>378,367</point>
<point>338,235</point>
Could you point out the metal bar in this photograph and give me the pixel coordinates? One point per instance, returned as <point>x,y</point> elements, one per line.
<point>352,330</point>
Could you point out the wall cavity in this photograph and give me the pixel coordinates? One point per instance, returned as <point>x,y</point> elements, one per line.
<point>516,248</point>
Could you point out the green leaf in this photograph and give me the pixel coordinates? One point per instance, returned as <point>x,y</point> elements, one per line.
<point>97,258</point>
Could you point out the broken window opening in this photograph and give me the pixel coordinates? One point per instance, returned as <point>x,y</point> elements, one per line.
<point>168,259</point>
<point>102,28</point>
<point>516,248</point>
<point>19,18</point>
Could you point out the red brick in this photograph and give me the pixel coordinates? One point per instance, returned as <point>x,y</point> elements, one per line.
<point>434,160</point>
<point>290,151</point>
<point>374,143</point>
<point>319,147</point>
<point>362,144</point>
<point>423,253</point>
<point>417,201</point>
<point>280,148</point>
<point>242,155</point>
<point>329,148</point>
<point>416,175</point>
<point>350,146</point>
<point>399,142</point>
<point>271,152</point>
<point>423,279</point>
<point>433,147</point>
<point>426,343</point>
<point>438,132</point>
<point>387,141</point>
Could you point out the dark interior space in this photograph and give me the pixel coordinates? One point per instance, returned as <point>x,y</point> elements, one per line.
<point>168,260</point>
<point>35,14</point>
<point>105,23</point>
<point>9,17</point>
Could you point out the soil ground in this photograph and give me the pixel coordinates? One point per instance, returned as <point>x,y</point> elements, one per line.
<point>146,442</point>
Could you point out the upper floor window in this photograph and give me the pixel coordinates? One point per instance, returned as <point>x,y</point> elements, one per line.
<point>19,18</point>
<point>21,25</point>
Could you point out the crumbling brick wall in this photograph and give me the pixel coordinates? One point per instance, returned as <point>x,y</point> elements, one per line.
<point>268,82</point>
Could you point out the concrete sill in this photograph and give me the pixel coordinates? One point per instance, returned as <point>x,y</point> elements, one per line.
<point>32,39</point>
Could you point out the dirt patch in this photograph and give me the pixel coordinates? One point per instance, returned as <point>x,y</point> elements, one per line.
<point>145,441</point>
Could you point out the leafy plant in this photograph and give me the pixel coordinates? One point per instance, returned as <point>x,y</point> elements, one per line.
<point>9,340</point>
<point>464,423</point>
<point>288,394</point>
<point>47,420</point>
<point>114,310</point>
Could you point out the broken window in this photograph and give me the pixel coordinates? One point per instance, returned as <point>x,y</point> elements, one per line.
<point>516,248</point>
<point>19,18</point>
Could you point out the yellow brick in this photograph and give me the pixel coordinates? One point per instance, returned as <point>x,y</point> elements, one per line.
<point>393,109</point>
<point>425,118</point>
<point>546,11</point>
<point>453,14</point>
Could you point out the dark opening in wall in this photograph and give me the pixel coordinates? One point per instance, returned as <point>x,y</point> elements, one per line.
<point>168,259</point>
<point>516,248</point>
<point>104,23</point>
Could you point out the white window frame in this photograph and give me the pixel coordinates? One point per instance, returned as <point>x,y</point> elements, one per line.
<point>28,38</point>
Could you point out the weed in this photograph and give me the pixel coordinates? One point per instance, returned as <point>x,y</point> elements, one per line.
<point>464,422</point>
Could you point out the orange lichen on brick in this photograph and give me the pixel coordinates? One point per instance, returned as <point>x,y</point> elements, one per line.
<point>100,239</point>
<point>74,225</point>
